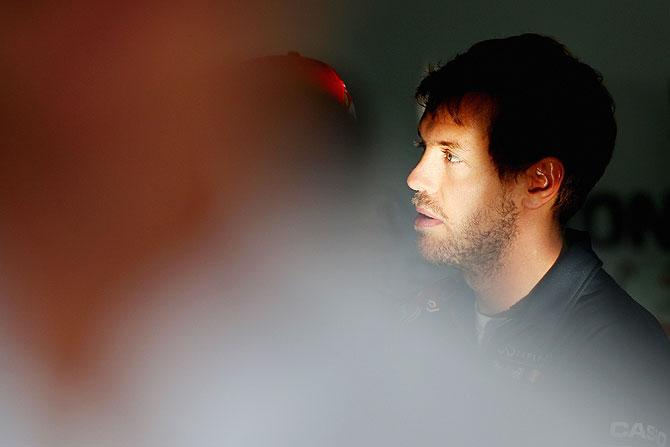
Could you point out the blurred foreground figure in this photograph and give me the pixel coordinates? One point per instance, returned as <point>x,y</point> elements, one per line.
<point>515,134</point>
<point>113,158</point>
<point>186,253</point>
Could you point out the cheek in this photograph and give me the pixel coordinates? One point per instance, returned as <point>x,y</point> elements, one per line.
<point>469,194</point>
<point>462,194</point>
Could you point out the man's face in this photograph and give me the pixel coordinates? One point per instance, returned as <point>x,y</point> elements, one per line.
<point>466,213</point>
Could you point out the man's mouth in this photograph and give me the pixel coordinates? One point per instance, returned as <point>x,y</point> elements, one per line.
<point>426,219</point>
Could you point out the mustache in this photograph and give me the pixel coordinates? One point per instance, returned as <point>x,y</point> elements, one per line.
<point>423,200</point>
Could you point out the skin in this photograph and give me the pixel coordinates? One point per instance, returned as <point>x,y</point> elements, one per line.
<point>501,233</point>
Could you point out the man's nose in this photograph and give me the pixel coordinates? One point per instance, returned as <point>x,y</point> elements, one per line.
<point>422,177</point>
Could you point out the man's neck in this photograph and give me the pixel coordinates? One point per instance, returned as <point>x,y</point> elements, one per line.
<point>521,267</point>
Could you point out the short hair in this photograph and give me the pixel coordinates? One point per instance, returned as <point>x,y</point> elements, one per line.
<point>544,102</point>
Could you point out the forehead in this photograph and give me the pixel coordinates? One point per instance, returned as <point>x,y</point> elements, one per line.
<point>469,130</point>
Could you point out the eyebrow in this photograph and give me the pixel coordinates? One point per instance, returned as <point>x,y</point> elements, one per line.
<point>442,143</point>
<point>450,145</point>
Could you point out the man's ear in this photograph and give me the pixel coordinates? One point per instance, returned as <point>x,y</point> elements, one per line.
<point>542,179</point>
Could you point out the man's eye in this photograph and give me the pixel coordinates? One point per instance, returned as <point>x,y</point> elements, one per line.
<point>451,157</point>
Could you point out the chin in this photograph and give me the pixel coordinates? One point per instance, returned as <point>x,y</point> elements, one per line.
<point>436,251</point>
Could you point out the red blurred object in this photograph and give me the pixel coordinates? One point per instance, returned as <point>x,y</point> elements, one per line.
<point>313,73</point>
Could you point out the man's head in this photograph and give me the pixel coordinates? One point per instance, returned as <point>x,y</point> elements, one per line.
<point>515,131</point>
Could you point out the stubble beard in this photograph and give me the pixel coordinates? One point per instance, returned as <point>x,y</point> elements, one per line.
<point>476,246</point>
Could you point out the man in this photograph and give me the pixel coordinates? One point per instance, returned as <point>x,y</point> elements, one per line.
<point>515,134</point>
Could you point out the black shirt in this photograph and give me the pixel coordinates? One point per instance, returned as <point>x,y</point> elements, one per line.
<point>577,347</point>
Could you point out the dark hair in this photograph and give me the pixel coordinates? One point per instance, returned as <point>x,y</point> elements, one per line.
<point>544,102</point>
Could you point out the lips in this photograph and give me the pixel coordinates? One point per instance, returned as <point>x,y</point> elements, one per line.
<point>426,219</point>
<point>427,213</point>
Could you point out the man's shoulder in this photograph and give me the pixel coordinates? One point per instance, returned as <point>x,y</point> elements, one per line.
<point>604,309</point>
<point>617,349</point>
<point>596,306</point>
